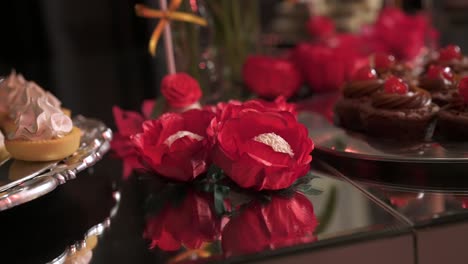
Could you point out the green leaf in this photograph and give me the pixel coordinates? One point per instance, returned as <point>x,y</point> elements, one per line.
<point>220,192</point>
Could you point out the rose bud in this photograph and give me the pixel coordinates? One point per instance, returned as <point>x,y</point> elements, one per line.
<point>175,145</point>
<point>181,92</point>
<point>259,149</point>
<point>270,77</point>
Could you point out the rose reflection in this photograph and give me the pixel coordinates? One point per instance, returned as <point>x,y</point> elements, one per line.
<point>259,225</point>
<point>190,223</point>
<point>279,223</point>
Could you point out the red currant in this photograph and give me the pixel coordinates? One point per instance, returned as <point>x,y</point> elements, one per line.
<point>435,72</point>
<point>365,74</point>
<point>463,89</point>
<point>450,52</point>
<point>383,60</point>
<point>395,85</point>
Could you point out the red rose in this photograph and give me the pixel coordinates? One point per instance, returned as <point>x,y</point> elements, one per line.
<point>321,27</point>
<point>280,223</point>
<point>128,123</point>
<point>180,90</point>
<point>270,77</point>
<point>326,68</point>
<point>257,149</point>
<point>176,145</point>
<point>188,224</point>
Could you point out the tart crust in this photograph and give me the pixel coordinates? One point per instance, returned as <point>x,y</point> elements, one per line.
<point>44,150</point>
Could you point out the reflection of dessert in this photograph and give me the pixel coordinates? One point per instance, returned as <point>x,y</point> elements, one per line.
<point>85,254</point>
<point>453,119</point>
<point>356,93</point>
<point>400,112</point>
<point>439,81</point>
<point>42,131</point>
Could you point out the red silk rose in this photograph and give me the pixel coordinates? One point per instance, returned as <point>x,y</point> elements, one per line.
<point>128,123</point>
<point>280,223</point>
<point>270,77</point>
<point>321,27</point>
<point>180,90</point>
<point>324,67</point>
<point>260,149</point>
<point>188,224</point>
<point>176,145</point>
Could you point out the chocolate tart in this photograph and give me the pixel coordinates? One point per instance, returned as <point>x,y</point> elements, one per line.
<point>355,95</point>
<point>452,123</point>
<point>406,116</point>
<point>441,89</point>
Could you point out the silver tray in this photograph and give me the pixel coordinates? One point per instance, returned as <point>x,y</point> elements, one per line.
<point>339,142</point>
<point>31,180</point>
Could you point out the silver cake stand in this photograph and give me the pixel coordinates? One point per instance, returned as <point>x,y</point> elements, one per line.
<point>21,182</point>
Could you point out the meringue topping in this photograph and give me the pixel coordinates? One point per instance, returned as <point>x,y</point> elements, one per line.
<point>41,120</point>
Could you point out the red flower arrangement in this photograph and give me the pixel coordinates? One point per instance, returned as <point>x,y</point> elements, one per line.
<point>271,154</point>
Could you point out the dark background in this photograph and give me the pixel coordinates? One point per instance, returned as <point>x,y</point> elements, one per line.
<point>93,54</point>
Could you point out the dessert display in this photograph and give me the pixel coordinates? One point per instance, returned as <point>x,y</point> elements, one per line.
<point>35,125</point>
<point>453,119</point>
<point>389,101</point>
<point>357,93</point>
<point>400,111</point>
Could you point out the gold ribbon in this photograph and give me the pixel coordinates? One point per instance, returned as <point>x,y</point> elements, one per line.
<point>165,17</point>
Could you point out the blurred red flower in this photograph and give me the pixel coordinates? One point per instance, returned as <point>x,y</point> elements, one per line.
<point>180,90</point>
<point>129,123</point>
<point>271,77</point>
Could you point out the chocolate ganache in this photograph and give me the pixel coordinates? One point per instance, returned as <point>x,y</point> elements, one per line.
<point>414,99</point>
<point>358,89</point>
